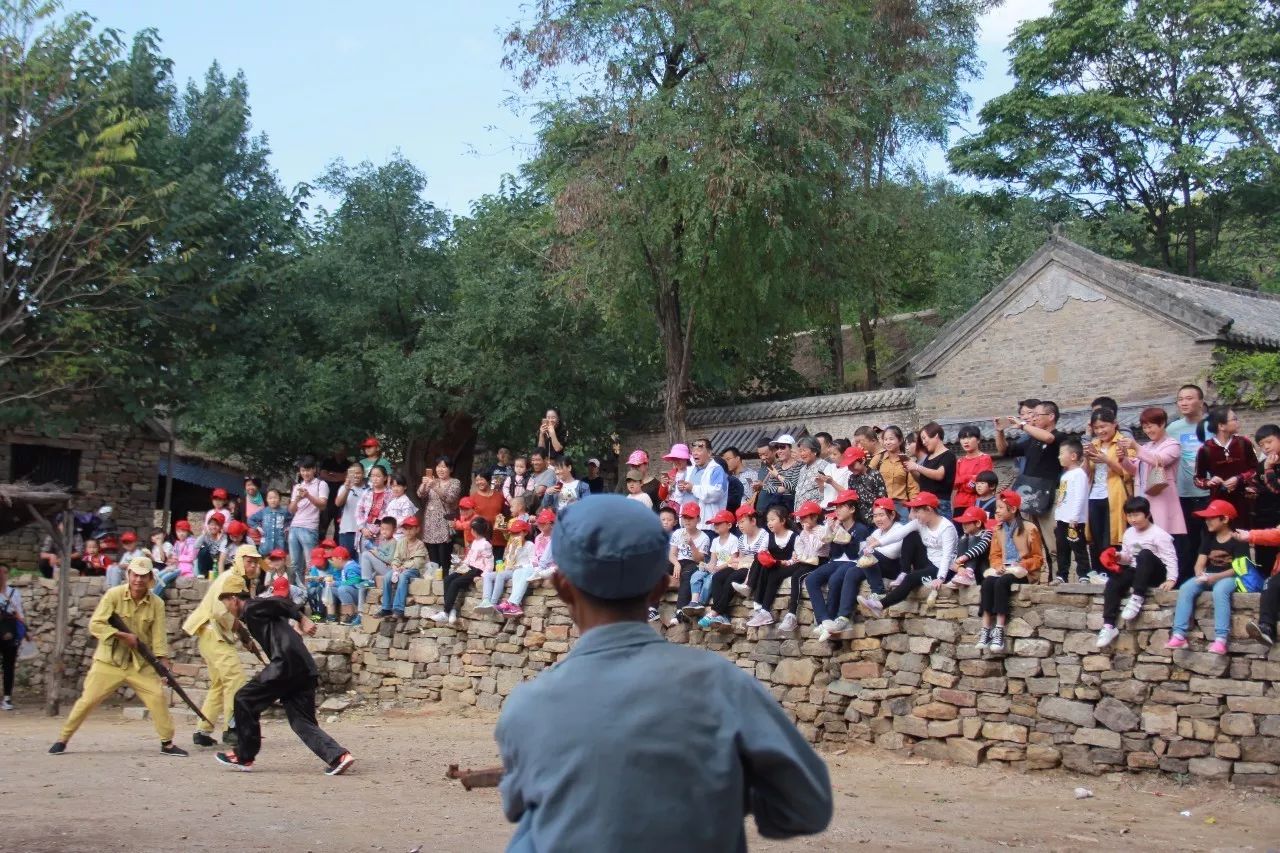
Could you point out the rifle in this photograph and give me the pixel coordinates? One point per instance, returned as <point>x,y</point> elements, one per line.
<point>120,625</point>
<point>247,640</point>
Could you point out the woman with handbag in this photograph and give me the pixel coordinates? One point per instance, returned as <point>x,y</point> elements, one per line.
<point>12,631</point>
<point>1158,470</point>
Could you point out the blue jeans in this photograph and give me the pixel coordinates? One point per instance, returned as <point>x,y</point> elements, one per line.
<point>348,595</point>
<point>164,580</point>
<point>519,585</point>
<point>700,585</point>
<point>831,574</point>
<point>851,580</point>
<point>401,588</point>
<point>1186,608</point>
<point>301,541</point>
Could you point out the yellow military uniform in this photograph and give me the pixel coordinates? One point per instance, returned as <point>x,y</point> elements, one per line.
<point>212,625</point>
<point>114,663</point>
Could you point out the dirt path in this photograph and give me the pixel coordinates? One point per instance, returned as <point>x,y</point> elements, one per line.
<point>112,791</point>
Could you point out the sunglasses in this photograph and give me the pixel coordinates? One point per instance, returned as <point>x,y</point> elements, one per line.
<point>779,447</point>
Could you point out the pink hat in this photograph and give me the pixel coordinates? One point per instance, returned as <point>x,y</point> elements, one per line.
<point>677,451</point>
<point>638,458</point>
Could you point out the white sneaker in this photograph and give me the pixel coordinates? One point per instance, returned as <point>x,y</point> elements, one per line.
<point>441,617</point>
<point>1107,635</point>
<point>453,618</point>
<point>741,589</point>
<point>1132,608</point>
<point>841,624</point>
<point>870,602</point>
<point>760,618</point>
<point>5,704</point>
<point>788,623</point>
<point>984,639</point>
<point>825,625</point>
<point>485,605</point>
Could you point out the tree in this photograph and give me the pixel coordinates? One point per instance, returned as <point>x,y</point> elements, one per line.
<point>75,204</point>
<point>1139,107</point>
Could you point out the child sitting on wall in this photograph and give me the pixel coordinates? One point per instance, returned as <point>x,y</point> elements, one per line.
<point>1017,556</point>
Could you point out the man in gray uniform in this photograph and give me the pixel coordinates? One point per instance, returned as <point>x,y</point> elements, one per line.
<point>632,743</point>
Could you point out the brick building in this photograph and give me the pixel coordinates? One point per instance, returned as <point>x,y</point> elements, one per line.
<point>1068,325</point>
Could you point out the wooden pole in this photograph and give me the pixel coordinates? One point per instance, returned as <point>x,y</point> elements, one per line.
<point>168,482</point>
<point>57,662</point>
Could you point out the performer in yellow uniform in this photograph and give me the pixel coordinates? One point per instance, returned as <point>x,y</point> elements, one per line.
<point>213,627</point>
<point>115,662</point>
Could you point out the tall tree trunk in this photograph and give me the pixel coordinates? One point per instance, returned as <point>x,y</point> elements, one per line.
<point>867,331</point>
<point>837,347</point>
<point>676,344</point>
<point>1188,212</point>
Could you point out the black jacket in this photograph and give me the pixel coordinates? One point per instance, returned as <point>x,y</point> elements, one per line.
<point>270,620</point>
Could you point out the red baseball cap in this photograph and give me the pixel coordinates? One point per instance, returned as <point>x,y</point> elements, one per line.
<point>219,494</point>
<point>855,453</point>
<point>723,517</point>
<point>340,553</point>
<point>546,516</point>
<point>848,496</point>
<point>328,543</point>
<point>518,527</point>
<point>217,518</point>
<point>928,499</point>
<point>371,442</point>
<point>744,511</point>
<point>237,528</point>
<point>411,521</point>
<point>885,504</point>
<point>280,586</point>
<point>466,503</point>
<point>972,515</point>
<point>1011,498</point>
<point>319,557</point>
<point>690,510</point>
<point>278,554</point>
<point>182,524</point>
<point>128,536</point>
<point>1217,508</point>
<point>808,508</point>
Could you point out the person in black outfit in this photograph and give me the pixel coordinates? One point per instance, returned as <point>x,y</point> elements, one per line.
<point>290,677</point>
<point>1041,471</point>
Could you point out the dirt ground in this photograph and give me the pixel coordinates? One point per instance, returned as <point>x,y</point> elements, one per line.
<point>113,791</point>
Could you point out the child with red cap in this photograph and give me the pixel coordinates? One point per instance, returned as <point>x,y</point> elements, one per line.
<point>320,578</point>
<point>1214,572</point>
<point>720,557</point>
<point>347,585</point>
<point>219,498</point>
<point>777,562</point>
<point>929,541</point>
<point>212,546</point>
<point>689,548</point>
<point>521,562</point>
<point>1016,556</point>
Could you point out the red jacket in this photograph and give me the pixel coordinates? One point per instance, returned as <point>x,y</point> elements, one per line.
<point>1269,536</point>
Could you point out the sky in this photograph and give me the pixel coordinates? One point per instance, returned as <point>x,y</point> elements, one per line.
<point>329,81</point>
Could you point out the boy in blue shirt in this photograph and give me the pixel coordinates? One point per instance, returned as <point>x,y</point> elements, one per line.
<point>273,522</point>
<point>319,579</point>
<point>348,585</point>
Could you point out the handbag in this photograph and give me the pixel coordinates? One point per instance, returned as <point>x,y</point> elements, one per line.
<point>1157,480</point>
<point>1036,493</point>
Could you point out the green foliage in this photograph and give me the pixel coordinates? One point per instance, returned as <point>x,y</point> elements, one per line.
<point>1148,108</point>
<point>1252,378</point>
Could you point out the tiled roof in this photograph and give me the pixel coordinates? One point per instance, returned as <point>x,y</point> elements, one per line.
<point>747,439</point>
<point>1205,309</point>
<point>806,407</point>
<point>1069,420</point>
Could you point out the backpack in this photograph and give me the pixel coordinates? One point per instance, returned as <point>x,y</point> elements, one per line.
<point>1248,577</point>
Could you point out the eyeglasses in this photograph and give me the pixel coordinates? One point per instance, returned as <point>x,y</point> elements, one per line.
<point>779,447</point>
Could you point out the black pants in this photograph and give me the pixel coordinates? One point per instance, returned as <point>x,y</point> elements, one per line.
<point>996,591</point>
<point>9,659</point>
<point>722,588</point>
<point>1189,542</point>
<point>1268,605</point>
<point>456,586</point>
<point>800,572</point>
<point>1071,546</point>
<point>299,701</point>
<point>439,553</point>
<point>914,560</point>
<point>1147,571</point>
<point>1099,533</point>
<point>684,592</point>
<point>770,583</point>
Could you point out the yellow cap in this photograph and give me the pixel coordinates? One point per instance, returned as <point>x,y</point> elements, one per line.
<point>233,585</point>
<point>248,551</point>
<point>140,565</point>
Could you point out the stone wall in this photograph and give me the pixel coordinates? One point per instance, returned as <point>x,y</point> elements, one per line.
<point>908,682</point>
<point>118,467</point>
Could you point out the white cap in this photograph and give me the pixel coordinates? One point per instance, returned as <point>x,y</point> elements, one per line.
<point>594,461</point>
<point>104,510</point>
<point>785,438</point>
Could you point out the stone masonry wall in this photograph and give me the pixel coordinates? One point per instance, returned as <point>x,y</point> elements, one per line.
<point>908,682</point>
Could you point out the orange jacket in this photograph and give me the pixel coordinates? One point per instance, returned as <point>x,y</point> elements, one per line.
<point>1029,546</point>
<point>1269,536</point>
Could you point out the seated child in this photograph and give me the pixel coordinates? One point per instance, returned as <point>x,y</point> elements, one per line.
<point>1147,557</point>
<point>1017,556</point>
<point>520,559</point>
<point>845,536</point>
<point>971,549</point>
<point>347,585</point>
<point>1219,549</point>
<point>670,521</point>
<point>929,542</point>
<point>376,554</point>
<point>408,562</point>
<point>1264,630</point>
<point>752,539</point>
<point>811,549</point>
<point>689,547</point>
<point>477,563</point>
<point>723,552</point>
<point>320,579</point>
<point>777,562</point>
<point>876,561</point>
<point>544,565</point>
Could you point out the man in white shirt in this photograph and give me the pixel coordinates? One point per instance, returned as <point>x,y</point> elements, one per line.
<point>704,481</point>
<point>1189,432</point>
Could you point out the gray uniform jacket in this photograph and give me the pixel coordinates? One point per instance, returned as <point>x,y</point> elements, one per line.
<point>633,743</point>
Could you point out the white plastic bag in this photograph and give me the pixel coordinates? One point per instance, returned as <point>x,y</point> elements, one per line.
<point>27,649</point>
